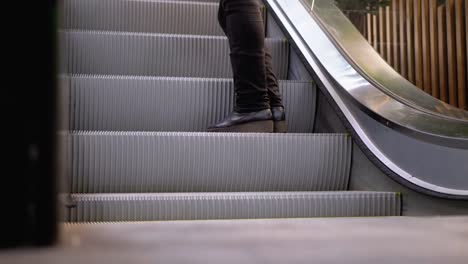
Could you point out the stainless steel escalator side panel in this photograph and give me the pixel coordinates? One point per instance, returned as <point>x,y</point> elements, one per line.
<point>425,125</point>
<point>347,86</point>
<point>370,65</point>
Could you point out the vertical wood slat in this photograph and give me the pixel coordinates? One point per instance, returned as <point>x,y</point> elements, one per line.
<point>451,53</point>
<point>442,25</point>
<point>365,26</point>
<point>460,31</point>
<point>403,42</point>
<point>395,33</point>
<point>382,33</point>
<point>466,49</point>
<point>426,50</point>
<point>375,32</point>
<point>418,44</point>
<point>434,47</point>
<point>369,28</point>
<point>364,30</point>
<point>389,39</point>
<point>409,39</point>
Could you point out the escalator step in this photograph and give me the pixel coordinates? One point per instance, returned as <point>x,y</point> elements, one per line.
<point>198,206</point>
<point>176,17</point>
<point>137,162</point>
<point>131,103</point>
<point>118,53</point>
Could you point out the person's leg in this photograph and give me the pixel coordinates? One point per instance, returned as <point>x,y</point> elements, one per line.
<point>271,80</point>
<point>245,31</point>
<point>242,22</point>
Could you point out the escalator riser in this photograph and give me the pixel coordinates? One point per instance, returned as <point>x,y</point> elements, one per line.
<point>117,53</point>
<point>176,17</point>
<point>163,207</point>
<point>120,103</point>
<point>135,162</point>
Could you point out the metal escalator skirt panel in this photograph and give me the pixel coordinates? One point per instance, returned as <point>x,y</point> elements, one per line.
<point>351,83</point>
<point>129,162</point>
<point>200,206</point>
<point>375,115</point>
<point>119,53</point>
<point>175,17</point>
<point>131,103</point>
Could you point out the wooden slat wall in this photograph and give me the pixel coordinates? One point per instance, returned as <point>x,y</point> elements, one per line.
<point>460,32</point>
<point>434,46</point>
<point>442,22</point>
<point>426,50</point>
<point>418,52</point>
<point>402,43</point>
<point>451,52</point>
<point>466,49</point>
<point>395,35</point>
<point>410,39</point>
<point>389,35</point>
<point>426,43</point>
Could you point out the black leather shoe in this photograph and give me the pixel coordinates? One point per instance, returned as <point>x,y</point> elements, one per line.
<point>253,122</point>
<point>279,119</point>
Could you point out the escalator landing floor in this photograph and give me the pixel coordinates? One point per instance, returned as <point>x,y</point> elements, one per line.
<point>319,240</point>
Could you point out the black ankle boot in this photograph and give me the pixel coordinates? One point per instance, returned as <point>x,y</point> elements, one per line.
<point>279,119</point>
<point>253,122</point>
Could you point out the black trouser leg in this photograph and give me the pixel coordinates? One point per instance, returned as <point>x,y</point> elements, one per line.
<point>243,24</point>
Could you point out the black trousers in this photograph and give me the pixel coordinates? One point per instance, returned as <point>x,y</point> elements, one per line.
<point>256,85</point>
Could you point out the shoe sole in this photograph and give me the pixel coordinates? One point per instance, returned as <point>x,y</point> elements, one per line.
<point>251,127</point>
<point>280,127</point>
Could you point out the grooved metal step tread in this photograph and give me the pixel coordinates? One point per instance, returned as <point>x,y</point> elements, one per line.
<point>198,206</point>
<point>120,53</point>
<point>133,103</point>
<point>177,17</point>
<point>134,162</point>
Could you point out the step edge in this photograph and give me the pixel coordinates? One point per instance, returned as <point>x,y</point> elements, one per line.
<point>165,78</point>
<point>148,34</point>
